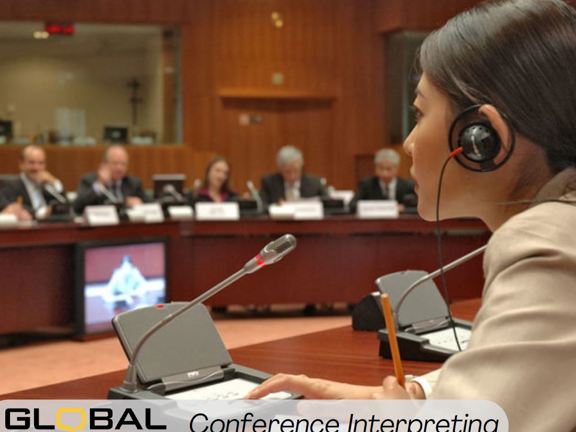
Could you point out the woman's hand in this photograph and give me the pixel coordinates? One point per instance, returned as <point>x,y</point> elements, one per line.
<point>392,390</point>
<point>311,388</point>
<point>315,388</point>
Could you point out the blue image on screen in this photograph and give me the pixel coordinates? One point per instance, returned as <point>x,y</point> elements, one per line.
<point>126,289</point>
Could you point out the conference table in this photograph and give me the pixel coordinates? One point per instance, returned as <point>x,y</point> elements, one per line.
<point>339,354</point>
<point>337,260</point>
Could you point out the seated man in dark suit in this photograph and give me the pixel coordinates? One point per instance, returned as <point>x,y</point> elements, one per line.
<point>385,184</point>
<point>290,183</point>
<point>111,184</point>
<point>35,191</point>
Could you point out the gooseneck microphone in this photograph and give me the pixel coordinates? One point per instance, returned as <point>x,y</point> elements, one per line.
<point>270,254</point>
<point>434,275</point>
<point>171,190</point>
<point>54,193</point>
<point>104,191</point>
<point>196,185</point>
<point>255,195</point>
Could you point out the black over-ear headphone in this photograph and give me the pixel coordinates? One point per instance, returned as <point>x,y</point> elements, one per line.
<point>481,145</point>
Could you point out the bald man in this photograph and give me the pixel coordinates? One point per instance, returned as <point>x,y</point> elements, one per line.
<point>111,184</point>
<point>33,193</point>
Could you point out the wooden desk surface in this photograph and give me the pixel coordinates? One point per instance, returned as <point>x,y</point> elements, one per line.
<point>338,354</point>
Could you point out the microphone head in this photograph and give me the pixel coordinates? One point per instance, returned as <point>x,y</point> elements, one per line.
<point>168,188</point>
<point>277,249</point>
<point>272,252</point>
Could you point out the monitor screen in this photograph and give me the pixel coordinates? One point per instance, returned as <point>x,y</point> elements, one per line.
<point>117,277</point>
<point>168,184</point>
<point>6,129</point>
<point>116,134</point>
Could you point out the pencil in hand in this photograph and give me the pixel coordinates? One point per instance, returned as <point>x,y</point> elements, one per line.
<point>392,340</point>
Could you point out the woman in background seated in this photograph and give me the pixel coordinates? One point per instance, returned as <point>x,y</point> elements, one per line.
<point>215,186</point>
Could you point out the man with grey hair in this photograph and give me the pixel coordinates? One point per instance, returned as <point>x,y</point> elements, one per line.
<point>385,184</point>
<point>290,183</point>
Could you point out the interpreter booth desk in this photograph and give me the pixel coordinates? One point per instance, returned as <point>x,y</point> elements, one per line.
<point>337,260</point>
<point>338,354</point>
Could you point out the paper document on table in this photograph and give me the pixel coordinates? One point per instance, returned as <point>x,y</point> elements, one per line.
<point>445,338</point>
<point>236,388</point>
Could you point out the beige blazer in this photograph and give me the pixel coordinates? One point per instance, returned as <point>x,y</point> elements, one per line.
<point>522,353</point>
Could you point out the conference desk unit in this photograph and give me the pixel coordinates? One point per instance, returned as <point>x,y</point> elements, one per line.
<point>339,354</point>
<point>337,260</point>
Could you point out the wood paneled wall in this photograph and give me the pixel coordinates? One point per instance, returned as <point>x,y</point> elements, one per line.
<point>329,104</point>
<point>329,54</point>
<point>416,15</point>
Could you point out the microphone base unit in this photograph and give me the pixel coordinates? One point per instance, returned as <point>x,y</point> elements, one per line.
<point>334,206</point>
<point>250,207</point>
<point>186,359</point>
<point>433,346</point>
<point>235,372</point>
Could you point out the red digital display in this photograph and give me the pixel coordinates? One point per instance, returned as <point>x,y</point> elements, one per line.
<point>59,28</point>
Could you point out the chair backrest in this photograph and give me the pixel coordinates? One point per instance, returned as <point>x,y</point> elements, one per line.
<point>7,178</point>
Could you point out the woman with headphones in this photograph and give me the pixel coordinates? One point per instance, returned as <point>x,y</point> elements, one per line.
<point>496,139</point>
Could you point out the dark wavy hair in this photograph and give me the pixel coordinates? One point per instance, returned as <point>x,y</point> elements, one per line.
<point>518,55</point>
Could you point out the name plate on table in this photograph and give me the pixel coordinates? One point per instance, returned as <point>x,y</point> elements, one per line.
<point>207,211</point>
<point>180,212</point>
<point>303,210</point>
<point>377,209</point>
<point>306,210</point>
<point>281,211</point>
<point>8,220</point>
<point>149,213</point>
<point>101,215</point>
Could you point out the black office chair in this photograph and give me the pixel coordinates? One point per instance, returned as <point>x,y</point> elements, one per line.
<point>7,178</point>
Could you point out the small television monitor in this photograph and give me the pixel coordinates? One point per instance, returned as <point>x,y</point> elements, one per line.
<point>116,134</point>
<point>115,277</point>
<point>162,183</point>
<point>6,129</point>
